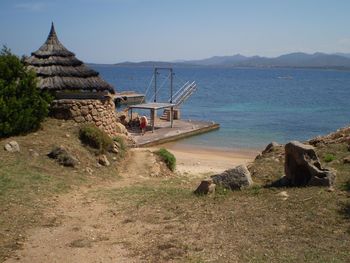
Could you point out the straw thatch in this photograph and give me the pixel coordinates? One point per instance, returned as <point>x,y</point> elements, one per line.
<point>58,69</point>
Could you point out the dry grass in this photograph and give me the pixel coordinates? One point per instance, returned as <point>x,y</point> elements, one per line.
<point>28,184</point>
<point>162,221</point>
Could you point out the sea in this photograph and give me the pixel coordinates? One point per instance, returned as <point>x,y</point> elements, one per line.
<point>253,106</point>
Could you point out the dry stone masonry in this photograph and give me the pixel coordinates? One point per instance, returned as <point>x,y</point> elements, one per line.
<point>100,112</point>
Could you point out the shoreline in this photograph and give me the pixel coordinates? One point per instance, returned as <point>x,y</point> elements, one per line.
<point>202,160</point>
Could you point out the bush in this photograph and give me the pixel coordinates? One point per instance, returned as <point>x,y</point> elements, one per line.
<point>329,157</point>
<point>23,106</point>
<point>167,157</point>
<point>91,135</point>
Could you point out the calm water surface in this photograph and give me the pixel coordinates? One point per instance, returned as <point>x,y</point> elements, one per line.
<point>253,106</point>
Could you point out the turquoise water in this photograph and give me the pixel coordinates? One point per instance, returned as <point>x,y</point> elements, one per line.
<point>253,106</point>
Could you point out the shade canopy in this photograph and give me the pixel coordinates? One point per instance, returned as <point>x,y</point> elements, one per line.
<point>59,70</point>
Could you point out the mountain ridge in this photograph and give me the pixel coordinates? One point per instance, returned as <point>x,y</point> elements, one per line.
<point>290,60</point>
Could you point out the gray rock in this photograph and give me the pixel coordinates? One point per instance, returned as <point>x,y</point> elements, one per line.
<point>302,167</point>
<point>205,187</point>
<point>270,147</point>
<point>12,147</point>
<point>102,159</point>
<point>63,157</point>
<point>236,178</point>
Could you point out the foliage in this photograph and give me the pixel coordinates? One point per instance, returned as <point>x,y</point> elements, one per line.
<point>91,135</point>
<point>167,157</point>
<point>329,157</point>
<point>22,105</point>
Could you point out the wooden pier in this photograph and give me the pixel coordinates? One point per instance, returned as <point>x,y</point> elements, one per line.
<point>164,133</point>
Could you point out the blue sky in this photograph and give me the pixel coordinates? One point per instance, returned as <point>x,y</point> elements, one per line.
<point>109,31</point>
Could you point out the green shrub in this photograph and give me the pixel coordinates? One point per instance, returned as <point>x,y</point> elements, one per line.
<point>23,106</point>
<point>91,135</point>
<point>329,157</point>
<point>167,157</point>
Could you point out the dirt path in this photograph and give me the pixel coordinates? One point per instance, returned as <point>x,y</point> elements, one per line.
<point>83,229</point>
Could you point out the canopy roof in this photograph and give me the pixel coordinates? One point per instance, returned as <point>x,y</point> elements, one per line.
<point>58,69</point>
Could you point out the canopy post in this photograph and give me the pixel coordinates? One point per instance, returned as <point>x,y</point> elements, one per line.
<point>171,116</point>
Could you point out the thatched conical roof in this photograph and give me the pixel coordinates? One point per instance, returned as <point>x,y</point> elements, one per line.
<point>58,69</point>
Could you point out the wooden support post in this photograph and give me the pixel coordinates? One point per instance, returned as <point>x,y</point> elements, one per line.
<point>130,114</point>
<point>171,116</point>
<point>153,115</point>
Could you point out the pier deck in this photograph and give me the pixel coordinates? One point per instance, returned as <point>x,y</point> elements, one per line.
<point>164,133</point>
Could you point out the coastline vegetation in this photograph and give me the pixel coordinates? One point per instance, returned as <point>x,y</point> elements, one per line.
<point>22,105</point>
<point>167,157</point>
<point>94,137</point>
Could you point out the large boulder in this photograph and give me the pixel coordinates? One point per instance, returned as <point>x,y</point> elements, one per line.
<point>12,147</point>
<point>302,167</point>
<point>236,178</point>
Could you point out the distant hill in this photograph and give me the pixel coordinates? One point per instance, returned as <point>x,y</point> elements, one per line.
<point>292,60</point>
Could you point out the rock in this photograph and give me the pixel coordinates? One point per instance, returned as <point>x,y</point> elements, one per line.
<point>205,187</point>
<point>284,195</point>
<point>115,149</point>
<point>270,147</point>
<point>103,160</point>
<point>235,178</point>
<point>259,156</point>
<point>63,157</point>
<point>302,167</point>
<point>33,153</point>
<point>346,159</point>
<point>12,147</point>
<point>120,128</point>
<point>89,170</point>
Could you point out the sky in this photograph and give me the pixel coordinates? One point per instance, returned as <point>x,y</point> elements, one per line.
<point>111,31</point>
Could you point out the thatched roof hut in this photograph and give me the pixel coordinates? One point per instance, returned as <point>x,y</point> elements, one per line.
<point>59,70</point>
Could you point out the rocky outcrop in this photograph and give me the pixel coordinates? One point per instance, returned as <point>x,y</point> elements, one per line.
<point>270,147</point>
<point>236,178</point>
<point>100,112</point>
<point>12,147</point>
<point>303,168</point>
<point>206,187</point>
<point>340,136</point>
<point>62,156</point>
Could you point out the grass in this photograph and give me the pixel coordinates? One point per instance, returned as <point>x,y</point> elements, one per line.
<point>91,135</point>
<point>161,220</point>
<point>167,157</point>
<point>28,184</point>
<point>329,157</point>
<point>164,221</point>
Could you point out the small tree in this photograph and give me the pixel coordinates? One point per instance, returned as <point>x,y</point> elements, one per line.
<point>22,104</point>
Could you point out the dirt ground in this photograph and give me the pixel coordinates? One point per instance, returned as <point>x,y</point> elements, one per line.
<point>146,214</point>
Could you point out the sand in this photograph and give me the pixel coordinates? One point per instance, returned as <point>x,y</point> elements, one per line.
<point>196,160</point>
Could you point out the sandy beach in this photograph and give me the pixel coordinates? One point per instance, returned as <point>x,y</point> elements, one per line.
<point>197,160</point>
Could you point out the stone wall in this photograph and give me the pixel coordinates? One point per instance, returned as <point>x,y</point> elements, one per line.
<point>100,112</point>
